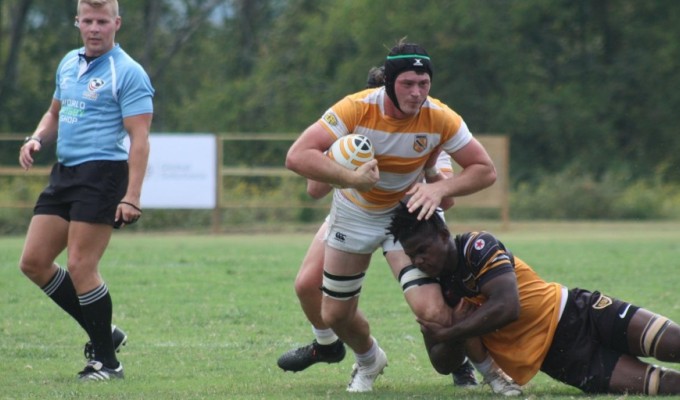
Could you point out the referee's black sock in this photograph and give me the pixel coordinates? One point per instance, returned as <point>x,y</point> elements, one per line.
<point>60,289</point>
<point>97,309</point>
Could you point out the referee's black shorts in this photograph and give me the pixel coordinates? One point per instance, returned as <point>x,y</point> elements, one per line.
<point>87,192</point>
<point>590,338</point>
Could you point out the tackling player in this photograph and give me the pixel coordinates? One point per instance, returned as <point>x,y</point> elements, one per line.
<point>585,339</point>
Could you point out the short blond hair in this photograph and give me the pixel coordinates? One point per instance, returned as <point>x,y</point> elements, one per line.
<point>99,4</point>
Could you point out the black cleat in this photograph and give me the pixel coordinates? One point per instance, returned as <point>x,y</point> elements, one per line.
<point>119,340</point>
<point>299,359</point>
<point>464,376</point>
<point>96,371</point>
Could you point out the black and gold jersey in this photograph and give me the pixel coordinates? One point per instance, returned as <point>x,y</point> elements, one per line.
<point>520,347</point>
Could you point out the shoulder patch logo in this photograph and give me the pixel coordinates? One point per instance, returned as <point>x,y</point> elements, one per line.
<point>479,244</point>
<point>64,83</point>
<point>420,143</point>
<point>330,119</point>
<point>602,302</point>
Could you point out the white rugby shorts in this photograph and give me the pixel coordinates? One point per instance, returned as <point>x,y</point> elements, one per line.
<point>355,230</point>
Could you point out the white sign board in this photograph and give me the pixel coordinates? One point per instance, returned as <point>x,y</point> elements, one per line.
<point>181,172</point>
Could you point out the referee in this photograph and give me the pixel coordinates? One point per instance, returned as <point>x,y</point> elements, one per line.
<point>102,95</point>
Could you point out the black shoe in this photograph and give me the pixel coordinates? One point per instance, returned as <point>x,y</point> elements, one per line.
<point>464,376</point>
<point>96,371</point>
<point>298,359</point>
<point>119,340</point>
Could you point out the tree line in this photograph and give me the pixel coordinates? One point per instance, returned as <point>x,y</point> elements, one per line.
<point>582,85</point>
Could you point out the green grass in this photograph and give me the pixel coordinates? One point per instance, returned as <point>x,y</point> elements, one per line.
<point>208,316</point>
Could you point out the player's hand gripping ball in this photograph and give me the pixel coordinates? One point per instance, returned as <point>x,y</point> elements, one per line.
<point>352,151</point>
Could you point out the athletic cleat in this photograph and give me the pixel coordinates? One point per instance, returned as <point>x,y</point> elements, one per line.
<point>299,359</point>
<point>464,376</point>
<point>363,376</point>
<point>501,383</point>
<point>96,371</point>
<point>119,340</point>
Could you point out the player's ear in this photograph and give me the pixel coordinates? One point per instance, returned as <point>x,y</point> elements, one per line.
<point>76,23</point>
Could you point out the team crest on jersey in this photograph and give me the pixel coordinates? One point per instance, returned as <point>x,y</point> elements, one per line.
<point>92,86</point>
<point>330,119</point>
<point>470,283</point>
<point>602,302</point>
<point>95,84</point>
<point>420,143</point>
<point>479,244</point>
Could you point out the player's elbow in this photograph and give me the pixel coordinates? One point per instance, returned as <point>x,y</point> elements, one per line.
<point>490,176</point>
<point>317,190</point>
<point>293,161</point>
<point>315,195</point>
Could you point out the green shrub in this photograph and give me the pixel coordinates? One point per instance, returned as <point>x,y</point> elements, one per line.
<point>574,195</point>
<point>281,203</point>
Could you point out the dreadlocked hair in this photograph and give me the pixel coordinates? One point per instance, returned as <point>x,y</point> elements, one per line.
<point>405,224</point>
<point>376,77</point>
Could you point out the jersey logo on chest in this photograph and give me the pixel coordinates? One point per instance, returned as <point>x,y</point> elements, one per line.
<point>420,143</point>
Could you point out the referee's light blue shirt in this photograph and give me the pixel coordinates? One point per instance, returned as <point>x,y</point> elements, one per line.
<point>95,98</point>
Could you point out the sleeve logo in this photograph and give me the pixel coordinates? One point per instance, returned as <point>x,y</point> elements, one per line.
<point>479,244</point>
<point>330,119</point>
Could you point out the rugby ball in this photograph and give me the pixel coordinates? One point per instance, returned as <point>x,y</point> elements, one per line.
<point>352,151</point>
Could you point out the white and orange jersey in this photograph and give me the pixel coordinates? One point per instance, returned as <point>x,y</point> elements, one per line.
<point>402,146</point>
<point>443,163</point>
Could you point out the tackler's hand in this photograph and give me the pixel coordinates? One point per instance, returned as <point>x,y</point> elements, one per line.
<point>433,331</point>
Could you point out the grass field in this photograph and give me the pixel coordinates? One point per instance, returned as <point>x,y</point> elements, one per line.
<point>208,316</point>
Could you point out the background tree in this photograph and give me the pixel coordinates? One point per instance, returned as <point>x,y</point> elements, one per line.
<point>7,83</point>
<point>582,86</point>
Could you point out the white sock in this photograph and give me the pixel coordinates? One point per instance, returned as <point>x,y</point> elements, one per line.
<point>486,367</point>
<point>324,336</point>
<point>369,356</point>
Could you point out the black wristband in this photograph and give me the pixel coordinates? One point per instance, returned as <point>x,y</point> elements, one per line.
<point>29,138</point>
<point>131,205</point>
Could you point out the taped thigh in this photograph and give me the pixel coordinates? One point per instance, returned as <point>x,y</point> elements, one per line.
<point>652,380</point>
<point>411,277</point>
<point>651,335</point>
<point>342,287</point>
